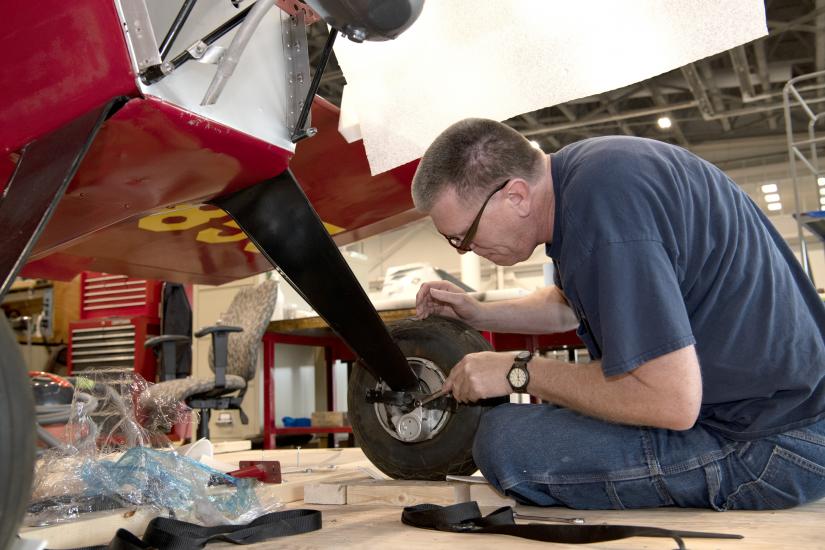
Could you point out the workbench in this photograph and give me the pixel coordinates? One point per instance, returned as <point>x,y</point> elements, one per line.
<point>378,525</point>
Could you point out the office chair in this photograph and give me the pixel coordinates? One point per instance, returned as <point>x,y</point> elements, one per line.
<point>233,357</point>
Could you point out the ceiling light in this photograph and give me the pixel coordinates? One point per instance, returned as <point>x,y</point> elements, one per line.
<point>535,144</point>
<point>665,123</point>
<point>769,188</point>
<point>822,190</point>
<point>775,206</point>
<point>820,180</point>
<point>822,201</point>
<point>772,197</point>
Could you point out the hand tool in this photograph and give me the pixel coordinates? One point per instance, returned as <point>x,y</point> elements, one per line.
<point>429,398</point>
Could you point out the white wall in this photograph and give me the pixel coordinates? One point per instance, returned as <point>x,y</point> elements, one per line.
<point>294,382</point>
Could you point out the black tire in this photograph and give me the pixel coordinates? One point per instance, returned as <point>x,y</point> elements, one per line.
<point>17,443</point>
<point>444,342</point>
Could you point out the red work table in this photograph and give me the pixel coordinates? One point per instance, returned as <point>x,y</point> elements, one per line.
<point>313,331</point>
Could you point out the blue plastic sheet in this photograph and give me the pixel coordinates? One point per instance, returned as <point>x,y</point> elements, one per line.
<point>144,476</point>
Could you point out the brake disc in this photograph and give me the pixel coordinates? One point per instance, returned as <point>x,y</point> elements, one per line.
<point>421,423</point>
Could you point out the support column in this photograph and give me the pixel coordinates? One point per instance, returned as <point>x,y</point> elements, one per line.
<point>471,270</point>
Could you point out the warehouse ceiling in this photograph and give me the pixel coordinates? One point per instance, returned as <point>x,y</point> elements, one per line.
<point>732,95</point>
<point>728,108</point>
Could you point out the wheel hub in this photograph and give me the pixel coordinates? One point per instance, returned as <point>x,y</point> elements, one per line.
<point>421,423</point>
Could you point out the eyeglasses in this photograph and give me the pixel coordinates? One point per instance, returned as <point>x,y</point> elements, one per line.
<point>464,244</point>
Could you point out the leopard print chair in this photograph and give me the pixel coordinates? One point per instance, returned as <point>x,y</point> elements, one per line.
<point>251,310</point>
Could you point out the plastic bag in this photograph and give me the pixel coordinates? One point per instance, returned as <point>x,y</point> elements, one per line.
<point>116,455</point>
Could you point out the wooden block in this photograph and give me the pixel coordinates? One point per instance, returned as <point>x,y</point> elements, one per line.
<point>325,493</point>
<point>406,492</point>
<point>292,488</point>
<point>331,491</point>
<point>330,418</point>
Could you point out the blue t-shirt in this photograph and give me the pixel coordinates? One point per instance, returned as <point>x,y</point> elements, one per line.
<point>658,249</point>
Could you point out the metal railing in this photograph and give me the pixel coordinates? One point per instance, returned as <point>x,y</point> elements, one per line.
<point>794,97</point>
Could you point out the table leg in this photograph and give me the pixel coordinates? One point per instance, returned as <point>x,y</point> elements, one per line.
<point>269,393</point>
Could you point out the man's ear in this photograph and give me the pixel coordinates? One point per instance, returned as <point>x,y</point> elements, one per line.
<point>519,196</point>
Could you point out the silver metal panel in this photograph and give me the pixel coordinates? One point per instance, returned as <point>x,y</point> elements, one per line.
<point>115,300</point>
<point>253,100</point>
<point>139,34</point>
<point>107,351</point>
<point>106,306</point>
<point>115,285</point>
<point>106,359</point>
<point>113,292</point>
<point>294,40</point>
<point>106,278</point>
<point>105,343</point>
<point>125,327</point>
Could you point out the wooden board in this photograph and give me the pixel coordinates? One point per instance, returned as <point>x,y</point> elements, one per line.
<point>305,458</point>
<point>292,487</point>
<point>406,492</point>
<point>366,491</point>
<point>223,447</point>
<point>332,490</point>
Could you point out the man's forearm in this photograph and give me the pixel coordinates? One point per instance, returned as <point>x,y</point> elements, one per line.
<point>544,311</point>
<point>666,394</point>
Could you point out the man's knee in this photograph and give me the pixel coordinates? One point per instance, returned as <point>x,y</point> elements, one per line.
<point>495,438</point>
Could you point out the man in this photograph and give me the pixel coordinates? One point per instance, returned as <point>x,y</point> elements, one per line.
<point>707,384</point>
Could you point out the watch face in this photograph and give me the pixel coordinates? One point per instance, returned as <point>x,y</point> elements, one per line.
<point>517,377</point>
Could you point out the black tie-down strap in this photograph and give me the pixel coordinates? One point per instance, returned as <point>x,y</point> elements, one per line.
<point>466,518</point>
<point>172,534</point>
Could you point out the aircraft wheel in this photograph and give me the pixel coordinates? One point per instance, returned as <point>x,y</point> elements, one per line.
<point>17,443</point>
<point>428,442</point>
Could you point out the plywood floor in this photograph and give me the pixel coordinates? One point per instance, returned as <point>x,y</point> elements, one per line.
<point>375,527</point>
<point>378,527</point>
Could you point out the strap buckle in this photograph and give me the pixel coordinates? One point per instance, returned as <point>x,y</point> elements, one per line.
<point>464,527</point>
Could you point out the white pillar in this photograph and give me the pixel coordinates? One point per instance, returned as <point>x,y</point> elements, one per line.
<point>471,270</point>
<point>548,272</point>
<point>499,277</point>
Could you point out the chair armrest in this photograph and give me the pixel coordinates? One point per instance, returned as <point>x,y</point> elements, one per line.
<point>157,340</point>
<point>168,344</point>
<point>220,349</point>
<point>217,329</point>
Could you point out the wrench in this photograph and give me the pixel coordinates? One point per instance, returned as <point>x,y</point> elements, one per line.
<point>432,397</point>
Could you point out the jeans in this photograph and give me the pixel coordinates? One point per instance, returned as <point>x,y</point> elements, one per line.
<point>551,456</point>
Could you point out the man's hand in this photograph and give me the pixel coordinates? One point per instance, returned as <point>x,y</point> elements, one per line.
<point>480,376</point>
<point>446,299</point>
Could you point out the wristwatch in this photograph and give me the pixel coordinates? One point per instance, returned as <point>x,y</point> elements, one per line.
<point>518,376</point>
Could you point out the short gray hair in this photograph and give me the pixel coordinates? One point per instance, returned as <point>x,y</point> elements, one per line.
<point>473,156</point>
